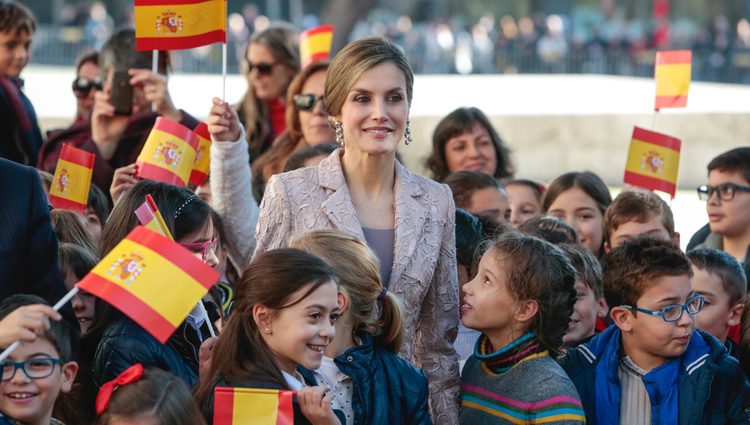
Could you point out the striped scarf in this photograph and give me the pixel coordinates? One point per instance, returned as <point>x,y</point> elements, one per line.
<point>525,348</point>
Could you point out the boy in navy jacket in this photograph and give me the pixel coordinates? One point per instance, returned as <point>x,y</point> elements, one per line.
<point>653,366</point>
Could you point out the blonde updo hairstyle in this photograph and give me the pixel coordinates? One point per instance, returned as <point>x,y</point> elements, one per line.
<point>356,58</point>
<point>358,270</point>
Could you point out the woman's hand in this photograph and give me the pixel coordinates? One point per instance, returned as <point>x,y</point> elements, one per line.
<point>25,323</point>
<point>123,179</point>
<point>315,403</point>
<point>106,126</point>
<point>223,122</point>
<point>155,91</point>
<point>204,355</point>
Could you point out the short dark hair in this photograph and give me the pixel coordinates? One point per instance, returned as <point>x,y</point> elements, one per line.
<point>472,236</point>
<point>90,55</point>
<point>629,269</point>
<point>637,205</point>
<point>587,181</point>
<point>535,187</point>
<point>60,334</point>
<point>298,158</point>
<point>537,270</point>
<point>725,267</point>
<point>735,160</point>
<point>456,123</point>
<point>551,229</point>
<point>463,184</point>
<point>77,259</point>
<point>588,269</point>
<point>16,18</point>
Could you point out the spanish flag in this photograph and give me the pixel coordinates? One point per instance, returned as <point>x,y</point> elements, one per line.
<point>152,279</point>
<point>179,24</point>
<point>168,154</point>
<point>72,181</point>
<point>672,76</point>
<point>315,44</point>
<point>251,406</point>
<point>653,161</point>
<point>202,164</point>
<point>150,217</point>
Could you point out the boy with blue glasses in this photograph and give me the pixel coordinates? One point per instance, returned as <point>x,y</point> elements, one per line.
<point>37,371</point>
<point>653,366</point>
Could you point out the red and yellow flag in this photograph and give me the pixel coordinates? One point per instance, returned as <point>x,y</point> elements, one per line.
<point>168,154</point>
<point>315,44</point>
<point>202,164</point>
<point>251,406</point>
<point>653,161</point>
<point>672,76</point>
<point>179,24</point>
<point>72,181</point>
<point>152,279</point>
<point>150,217</point>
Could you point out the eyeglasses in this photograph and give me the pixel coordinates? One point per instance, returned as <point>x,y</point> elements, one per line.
<point>203,247</point>
<point>263,68</point>
<point>673,313</point>
<point>82,86</point>
<point>726,191</point>
<point>306,102</point>
<point>36,368</point>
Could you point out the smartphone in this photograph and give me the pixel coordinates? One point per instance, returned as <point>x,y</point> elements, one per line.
<point>122,93</point>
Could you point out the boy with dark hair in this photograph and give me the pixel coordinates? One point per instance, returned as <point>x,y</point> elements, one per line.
<point>20,138</point>
<point>590,305</point>
<point>637,212</point>
<point>719,278</point>
<point>479,194</point>
<point>653,366</point>
<point>37,371</point>
<point>727,197</point>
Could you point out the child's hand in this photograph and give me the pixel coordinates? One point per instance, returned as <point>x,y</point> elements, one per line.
<point>204,355</point>
<point>155,91</point>
<point>315,403</point>
<point>223,123</point>
<point>122,181</point>
<point>25,323</point>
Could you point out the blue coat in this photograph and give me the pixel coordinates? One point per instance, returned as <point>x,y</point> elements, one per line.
<point>388,390</point>
<point>711,388</point>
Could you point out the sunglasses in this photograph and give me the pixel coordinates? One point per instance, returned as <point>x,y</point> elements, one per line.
<point>82,86</point>
<point>306,102</point>
<point>263,68</point>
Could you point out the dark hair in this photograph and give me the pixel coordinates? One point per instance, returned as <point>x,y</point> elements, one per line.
<point>119,53</point>
<point>270,280</point>
<point>71,227</point>
<point>629,269</point>
<point>537,270</point>
<point>588,269</point>
<point>99,203</point>
<point>456,123</point>
<point>725,267</point>
<point>551,229</point>
<point>157,393</point>
<point>637,205</point>
<point>76,259</point>
<point>299,157</point>
<point>736,160</point>
<point>474,234</point>
<point>588,182</point>
<point>463,184</point>
<point>273,160</point>
<point>744,345</point>
<point>60,334</point>
<point>16,18</point>
<point>86,57</point>
<point>535,187</point>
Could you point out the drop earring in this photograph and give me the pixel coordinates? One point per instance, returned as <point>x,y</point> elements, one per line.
<point>407,133</point>
<point>339,133</point>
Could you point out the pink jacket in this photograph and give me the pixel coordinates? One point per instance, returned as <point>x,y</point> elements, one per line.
<point>424,258</point>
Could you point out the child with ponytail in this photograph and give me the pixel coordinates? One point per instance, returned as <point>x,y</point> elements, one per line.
<point>367,380</point>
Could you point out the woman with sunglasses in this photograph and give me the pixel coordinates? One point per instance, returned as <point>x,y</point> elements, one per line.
<point>270,62</point>
<point>306,124</point>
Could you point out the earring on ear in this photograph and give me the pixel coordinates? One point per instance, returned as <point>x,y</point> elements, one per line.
<point>339,133</point>
<point>267,330</point>
<point>407,133</point>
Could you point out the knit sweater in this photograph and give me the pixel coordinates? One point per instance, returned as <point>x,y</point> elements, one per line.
<point>533,389</point>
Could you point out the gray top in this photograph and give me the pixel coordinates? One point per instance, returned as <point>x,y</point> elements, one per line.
<point>381,242</point>
<point>635,404</point>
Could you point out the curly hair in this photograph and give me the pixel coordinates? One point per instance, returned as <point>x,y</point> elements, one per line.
<point>537,270</point>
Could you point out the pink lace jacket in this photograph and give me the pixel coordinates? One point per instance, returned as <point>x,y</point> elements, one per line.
<point>424,258</point>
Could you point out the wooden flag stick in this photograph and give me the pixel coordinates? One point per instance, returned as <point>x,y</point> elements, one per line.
<point>224,71</point>
<point>653,120</point>
<point>155,70</point>
<point>56,307</point>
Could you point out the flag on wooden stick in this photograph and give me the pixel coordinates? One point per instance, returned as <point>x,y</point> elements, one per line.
<point>251,406</point>
<point>179,24</point>
<point>653,161</point>
<point>672,76</point>
<point>168,154</point>
<point>72,180</point>
<point>202,165</point>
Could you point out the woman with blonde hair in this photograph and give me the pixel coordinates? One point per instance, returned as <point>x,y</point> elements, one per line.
<point>360,366</point>
<point>361,189</point>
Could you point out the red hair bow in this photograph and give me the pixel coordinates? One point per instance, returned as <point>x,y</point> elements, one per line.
<point>128,376</point>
